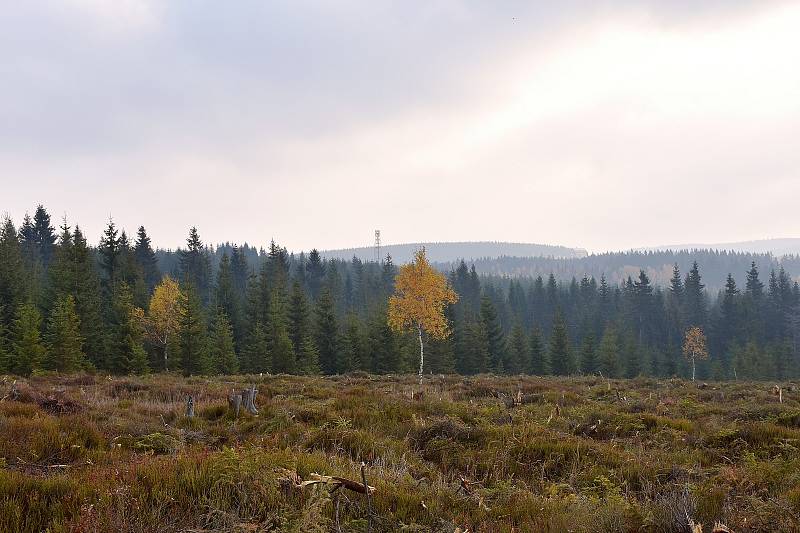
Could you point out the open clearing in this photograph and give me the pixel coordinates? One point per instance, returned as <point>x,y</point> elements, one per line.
<point>93,453</point>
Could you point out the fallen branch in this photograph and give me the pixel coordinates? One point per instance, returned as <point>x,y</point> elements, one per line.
<point>336,481</point>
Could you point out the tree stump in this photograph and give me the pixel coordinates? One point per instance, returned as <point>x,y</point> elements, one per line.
<point>249,400</point>
<point>235,403</point>
<point>245,399</point>
<point>189,407</point>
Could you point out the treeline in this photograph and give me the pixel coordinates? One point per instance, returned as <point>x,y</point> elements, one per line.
<point>617,266</point>
<point>123,307</point>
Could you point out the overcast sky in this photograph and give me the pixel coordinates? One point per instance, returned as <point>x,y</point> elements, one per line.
<point>604,125</point>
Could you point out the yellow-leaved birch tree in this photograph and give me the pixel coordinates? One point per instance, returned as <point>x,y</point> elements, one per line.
<point>421,294</point>
<point>163,320</point>
<point>694,346</point>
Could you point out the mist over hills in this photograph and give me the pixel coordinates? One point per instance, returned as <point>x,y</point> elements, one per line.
<point>445,252</point>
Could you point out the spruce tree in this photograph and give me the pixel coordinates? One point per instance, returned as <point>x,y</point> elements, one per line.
<point>193,335</point>
<point>146,260</point>
<point>12,274</point>
<point>195,267</point>
<point>440,356</point>
<point>44,234</point>
<point>538,365</point>
<point>588,360</point>
<point>227,298</point>
<point>315,273</point>
<point>256,355</point>
<point>240,271</point>
<point>31,252</point>
<point>88,299</point>
<point>519,354</point>
<point>280,345</point>
<point>28,350</point>
<point>125,351</point>
<point>631,356</point>
<point>383,345</point>
<point>223,355</point>
<point>327,333</point>
<point>308,357</point>
<point>643,294</point>
<point>352,353</point>
<point>608,354</point>
<point>494,336</point>
<point>109,256</point>
<point>728,327</point>
<point>559,350</point>
<point>5,347</point>
<point>282,352</point>
<point>695,303</point>
<point>299,321</point>
<point>64,341</point>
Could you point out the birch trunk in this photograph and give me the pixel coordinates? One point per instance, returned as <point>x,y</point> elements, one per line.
<point>421,352</point>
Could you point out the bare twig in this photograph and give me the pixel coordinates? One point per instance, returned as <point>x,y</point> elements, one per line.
<point>367,493</point>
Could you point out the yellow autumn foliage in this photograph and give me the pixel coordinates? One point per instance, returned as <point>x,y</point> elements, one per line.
<point>694,345</point>
<point>421,294</point>
<point>164,316</point>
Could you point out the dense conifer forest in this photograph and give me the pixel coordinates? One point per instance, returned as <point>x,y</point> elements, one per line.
<point>123,307</point>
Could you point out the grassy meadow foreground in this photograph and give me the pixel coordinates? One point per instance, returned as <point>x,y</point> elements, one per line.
<point>94,453</point>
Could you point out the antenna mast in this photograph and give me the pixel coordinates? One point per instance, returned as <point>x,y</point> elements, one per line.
<point>377,246</point>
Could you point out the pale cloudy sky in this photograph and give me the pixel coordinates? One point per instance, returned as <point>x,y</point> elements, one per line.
<point>605,125</point>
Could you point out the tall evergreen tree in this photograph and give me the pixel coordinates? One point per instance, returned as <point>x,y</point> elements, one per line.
<point>28,350</point>
<point>109,256</point>
<point>255,354</point>
<point>279,343</point>
<point>496,342</point>
<point>299,320</point>
<point>383,345</point>
<point>44,234</point>
<point>519,354</point>
<point>315,273</point>
<point>308,357</point>
<point>195,266</point>
<point>353,352</point>
<point>88,299</point>
<point>559,350</point>
<point>64,342</point>
<point>12,274</point>
<point>727,329</point>
<point>125,352</point>
<point>643,303</point>
<point>222,352</point>
<point>588,361</point>
<point>327,333</point>
<point>146,260</point>
<point>538,365</point>
<point>193,338</point>
<point>477,347</point>
<point>227,298</point>
<point>695,301</point>
<point>608,354</point>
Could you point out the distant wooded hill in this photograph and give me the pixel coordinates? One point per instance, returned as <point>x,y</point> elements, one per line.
<point>444,252</point>
<point>776,247</point>
<point>617,266</point>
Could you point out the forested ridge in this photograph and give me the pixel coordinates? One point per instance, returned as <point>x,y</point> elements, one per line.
<point>124,307</point>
